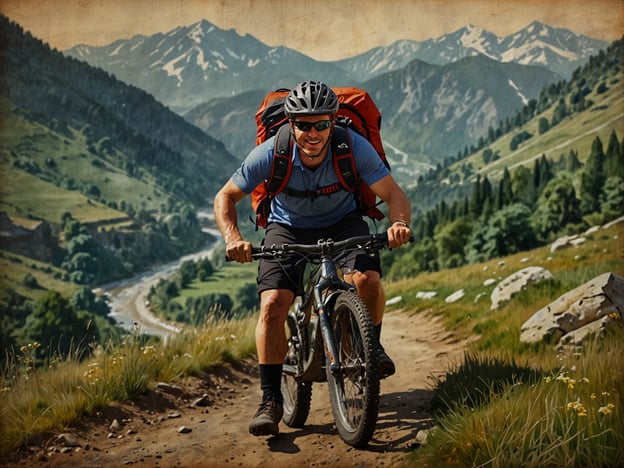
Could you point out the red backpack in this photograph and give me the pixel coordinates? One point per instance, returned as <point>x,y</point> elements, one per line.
<point>356,111</point>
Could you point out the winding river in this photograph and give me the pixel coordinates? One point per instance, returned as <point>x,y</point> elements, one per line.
<point>128,297</point>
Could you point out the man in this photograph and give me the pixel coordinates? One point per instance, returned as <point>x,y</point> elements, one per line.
<point>311,108</point>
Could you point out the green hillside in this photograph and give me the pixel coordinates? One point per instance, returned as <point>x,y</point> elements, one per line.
<point>45,174</point>
<point>575,133</point>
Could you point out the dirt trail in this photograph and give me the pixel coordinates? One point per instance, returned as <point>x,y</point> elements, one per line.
<point>218,433</point>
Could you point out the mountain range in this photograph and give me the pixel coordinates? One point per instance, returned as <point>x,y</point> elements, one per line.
<point>437,96</point>
<point>193,64</point>
<point>559,50</point>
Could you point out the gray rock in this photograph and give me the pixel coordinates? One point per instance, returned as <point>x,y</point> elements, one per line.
<point>115,426</point>
<point>595,328</point>
<point>201,401</point>
<point>600,297</point>
<point>394,300</point>
<point>456,296</point>
<point>517,282</point>
<point>567,241</point>
<point>426,294</point>
<point>170,388</point>
<point>68,440</point>
<point>614,222</point>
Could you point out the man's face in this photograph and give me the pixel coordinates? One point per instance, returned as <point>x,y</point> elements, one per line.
<point>309,139</point>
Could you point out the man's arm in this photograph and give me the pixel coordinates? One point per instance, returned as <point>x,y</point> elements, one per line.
<point>226,217</point>
<point>399,209</point>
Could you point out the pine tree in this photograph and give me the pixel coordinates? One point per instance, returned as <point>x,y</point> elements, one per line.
<point>504,194</point>
<point>593,179</point>
<point>614,158</point>
<point>476,200</point>
<point>572,162</point>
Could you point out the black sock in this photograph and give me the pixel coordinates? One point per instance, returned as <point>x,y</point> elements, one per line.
<point>271,381</point>
<point>378,335</point>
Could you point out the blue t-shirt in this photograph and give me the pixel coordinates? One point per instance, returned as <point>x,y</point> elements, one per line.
<point>318,212</point>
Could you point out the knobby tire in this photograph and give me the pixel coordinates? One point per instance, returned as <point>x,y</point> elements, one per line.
<point>354,391</point>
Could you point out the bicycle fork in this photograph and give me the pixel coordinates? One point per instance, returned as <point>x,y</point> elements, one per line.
<point>329,277</point>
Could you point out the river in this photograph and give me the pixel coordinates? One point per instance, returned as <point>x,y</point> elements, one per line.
<point>128,297</point>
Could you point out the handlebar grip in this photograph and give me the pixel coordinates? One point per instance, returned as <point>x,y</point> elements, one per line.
<point>254,251</point>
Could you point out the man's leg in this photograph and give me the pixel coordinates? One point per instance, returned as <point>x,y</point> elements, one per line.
<point>272,346</point>
<point>370,289</point>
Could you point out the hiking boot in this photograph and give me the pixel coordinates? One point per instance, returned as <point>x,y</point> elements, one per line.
<point>386,366</point>
<point>266,420</point>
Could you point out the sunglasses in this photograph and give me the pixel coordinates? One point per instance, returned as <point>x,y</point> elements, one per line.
<point>307,126</point>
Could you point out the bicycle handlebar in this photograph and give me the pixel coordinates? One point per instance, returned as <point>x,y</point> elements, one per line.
<point>323,246</point>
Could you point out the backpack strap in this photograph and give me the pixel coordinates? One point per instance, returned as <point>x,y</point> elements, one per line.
<point>344,162</point>
<point>282,162</point>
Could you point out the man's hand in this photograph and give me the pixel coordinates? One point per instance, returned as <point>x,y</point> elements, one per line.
<point>239,251</point>
<point>398,234</point>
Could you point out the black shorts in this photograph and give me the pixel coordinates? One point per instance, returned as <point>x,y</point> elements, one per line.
<point>288,273</point>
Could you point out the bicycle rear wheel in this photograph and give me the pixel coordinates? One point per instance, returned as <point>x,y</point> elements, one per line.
<point>297,395</point>
<point>354,389</point>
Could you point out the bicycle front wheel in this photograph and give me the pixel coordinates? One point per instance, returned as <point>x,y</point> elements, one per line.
<point>354,388</point>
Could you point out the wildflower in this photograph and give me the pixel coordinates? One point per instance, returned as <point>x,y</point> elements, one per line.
<point>548,379</point>
<point>604,410</point>
<point>584,380</point>
<point>593,396</point>
<point>578,407</point>
<point>148,350</point>
<point>5,389</point>
<point>29,347</point>
<point>605,394</point>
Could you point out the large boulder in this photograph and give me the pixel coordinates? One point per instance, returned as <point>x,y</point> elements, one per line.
<point>589,308</point>
<point>517,282</point>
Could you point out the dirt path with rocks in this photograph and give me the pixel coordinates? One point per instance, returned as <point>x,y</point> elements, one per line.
<point>172,426</point>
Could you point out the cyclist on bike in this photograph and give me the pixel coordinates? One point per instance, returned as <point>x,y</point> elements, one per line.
<point>311,108</point>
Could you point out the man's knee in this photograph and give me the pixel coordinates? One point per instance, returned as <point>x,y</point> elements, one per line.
<point>274,305</point>
<point>368,284</point>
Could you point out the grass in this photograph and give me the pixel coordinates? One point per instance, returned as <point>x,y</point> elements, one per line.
<point>227,280</point>
<point>39,399</point>
<point>510,403</point>
<point>14,268</point>
<point>564,410</point>
<point>24,195</point>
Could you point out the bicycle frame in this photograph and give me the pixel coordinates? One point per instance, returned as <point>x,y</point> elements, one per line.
<point>327,279</point>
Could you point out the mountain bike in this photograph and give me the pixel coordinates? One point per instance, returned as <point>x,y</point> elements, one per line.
<point>331,338</point>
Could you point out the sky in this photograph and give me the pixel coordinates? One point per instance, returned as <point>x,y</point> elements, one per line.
<point>322,29</point>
